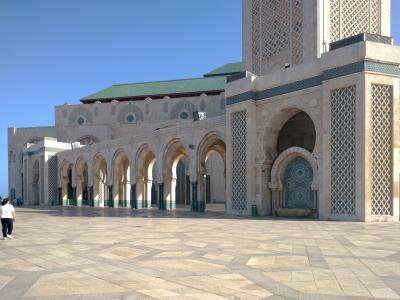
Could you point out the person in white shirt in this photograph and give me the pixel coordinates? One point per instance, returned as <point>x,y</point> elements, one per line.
<point>7,213</point>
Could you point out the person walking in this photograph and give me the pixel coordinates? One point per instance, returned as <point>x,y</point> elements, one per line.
<point>7,213</point>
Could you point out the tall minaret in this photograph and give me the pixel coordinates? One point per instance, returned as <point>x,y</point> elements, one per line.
<point>283,33</point>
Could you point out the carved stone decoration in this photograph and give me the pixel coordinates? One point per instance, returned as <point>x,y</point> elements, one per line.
<point>276,32</point>
<point>350,17</point>
<point>382,150</point>
<point>239,162</point>
<point>80,113</point>
<point>343,151</point>
<point>130,109</point>
<point>182,106</point>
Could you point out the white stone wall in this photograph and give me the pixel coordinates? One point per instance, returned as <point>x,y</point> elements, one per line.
<point>266,117</point>
<point>108,121</point>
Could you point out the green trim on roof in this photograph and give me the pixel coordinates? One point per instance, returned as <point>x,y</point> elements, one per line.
<point>228,69</point>
<point>160,88</point>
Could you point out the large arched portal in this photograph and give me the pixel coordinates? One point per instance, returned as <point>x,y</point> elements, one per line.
<point>35,183</point>
<point>121,180</point>
<point>175,161</point>
<point>294,172</point>
<point>82,193</point>
<point>100,188</point>
<point>145,187</point>
<point>212,171</point>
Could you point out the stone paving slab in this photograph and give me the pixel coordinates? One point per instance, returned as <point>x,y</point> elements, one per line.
<point>87,253</point>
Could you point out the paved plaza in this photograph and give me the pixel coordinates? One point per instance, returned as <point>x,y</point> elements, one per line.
<point>86,253</point>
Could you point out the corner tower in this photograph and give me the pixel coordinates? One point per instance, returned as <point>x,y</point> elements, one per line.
<point>279,34</point>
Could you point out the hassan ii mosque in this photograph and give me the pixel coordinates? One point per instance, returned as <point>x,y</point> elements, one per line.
<point>307,125</point>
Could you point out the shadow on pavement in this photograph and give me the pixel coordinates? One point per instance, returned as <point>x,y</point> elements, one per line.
<point>181,212</point>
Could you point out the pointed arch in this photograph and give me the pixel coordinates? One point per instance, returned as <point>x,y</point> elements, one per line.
<point>66,182</point>
<point>211,150</point>
<point>145,162</point>
<point>82,175</point>
<point>100,176</point>
<point>174,153</point>
<point>121,179</point>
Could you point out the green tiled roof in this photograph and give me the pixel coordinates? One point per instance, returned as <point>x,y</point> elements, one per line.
<point>160,88</point>
<point>228,69</point>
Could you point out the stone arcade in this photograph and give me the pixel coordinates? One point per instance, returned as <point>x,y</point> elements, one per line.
<point>307,125</point>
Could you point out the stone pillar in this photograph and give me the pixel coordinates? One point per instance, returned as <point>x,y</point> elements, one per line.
<point>161,200</point>
<point>115,200</point>
<point>140,191</point>
<point>90,196</point>
<point>128,193</point>
<point>133,196</point>
<point>194,200</point>
<point>170,203</point>
<point>147,201</point>
<point>77,202</point>
<point>110,196</point>
<point>263,193</point>
<point>274,200</point>
<point>60,199</point>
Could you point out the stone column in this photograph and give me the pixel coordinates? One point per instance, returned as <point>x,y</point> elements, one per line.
<point>170,205</point>
<point>133,196</point>
<point>147,201</point>
<point>140,191</point>
<point>161,198</point>
<point>115,199</point>
<point>60,200</point>
<point>77,202</point>
<point>263,193</point>
<point>90,196</point>
<point>194,200</point>
<point>110,196</point>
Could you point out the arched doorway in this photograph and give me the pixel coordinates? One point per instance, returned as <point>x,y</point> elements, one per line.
<point>182,189</point>
<point>82,195</point>
<point>175,155</point>
<point>298,179</point>
<point>146,196</point>
<point>294,173</point>
<point>212,171</point>
<point>294,184</point>
<point>35,183</point>
<point>67,193</point>
<point>121,180</point>
<point>100,188</point>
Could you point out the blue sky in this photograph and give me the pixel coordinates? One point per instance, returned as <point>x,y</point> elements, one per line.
<point>52,52</point>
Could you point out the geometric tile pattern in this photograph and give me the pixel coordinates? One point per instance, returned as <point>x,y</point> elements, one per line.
<point>298,179</point>
<point>335,20</point>
<point>42,164</point>
<point>256,36</point>
<point>239,161</point>
<point>85,253</point>
<point>52,179</point>
<point>297,32</point>
<point>350,17</point>
<point>276,26</point>
<point>343,150</point>
<point>381,149</point>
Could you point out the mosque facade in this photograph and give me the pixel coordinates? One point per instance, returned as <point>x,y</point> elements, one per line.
<point>307,125</point>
